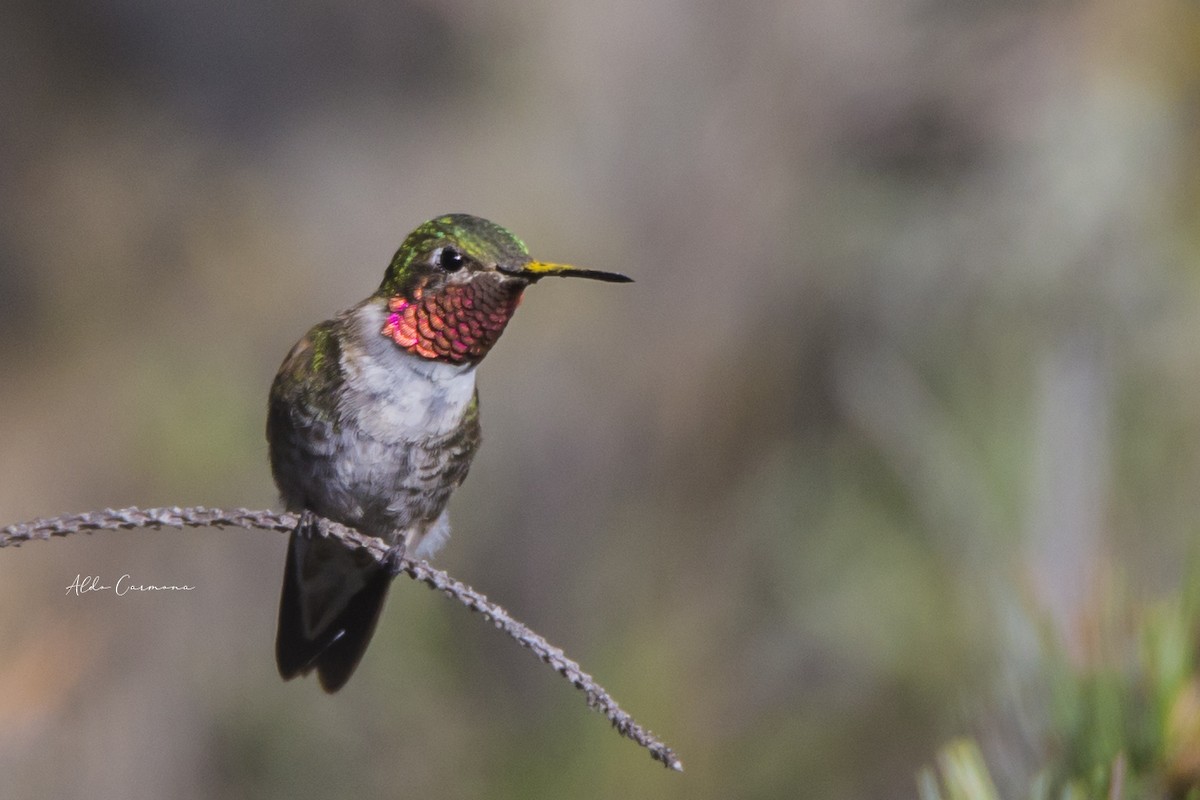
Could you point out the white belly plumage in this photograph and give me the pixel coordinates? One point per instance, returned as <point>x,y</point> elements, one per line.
<point>385,462</point>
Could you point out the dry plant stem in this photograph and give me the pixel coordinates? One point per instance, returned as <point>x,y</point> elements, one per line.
<point>199,517</point>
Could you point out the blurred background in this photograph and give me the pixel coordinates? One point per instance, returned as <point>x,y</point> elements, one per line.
<point>912,350</point>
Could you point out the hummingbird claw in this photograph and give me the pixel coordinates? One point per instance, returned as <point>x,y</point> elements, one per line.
<point>308,525</point>
<point>393,559</point>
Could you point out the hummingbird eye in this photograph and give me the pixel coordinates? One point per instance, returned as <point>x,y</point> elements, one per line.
<point>449,259</point>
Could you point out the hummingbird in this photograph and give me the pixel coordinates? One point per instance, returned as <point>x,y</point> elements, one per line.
<point>373,421</point>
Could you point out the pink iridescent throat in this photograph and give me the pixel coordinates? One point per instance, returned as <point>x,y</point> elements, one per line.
<point>457,324</point>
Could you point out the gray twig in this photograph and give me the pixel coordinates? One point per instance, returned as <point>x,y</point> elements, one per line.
<point>199,517</point>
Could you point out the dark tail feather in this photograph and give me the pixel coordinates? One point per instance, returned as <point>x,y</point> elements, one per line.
<point>335,650</point>
<point>340,659</point>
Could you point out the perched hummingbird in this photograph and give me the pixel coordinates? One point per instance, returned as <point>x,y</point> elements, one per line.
<point>373,422</point>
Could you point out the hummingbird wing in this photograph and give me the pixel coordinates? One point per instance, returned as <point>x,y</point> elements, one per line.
<point>331,599</point>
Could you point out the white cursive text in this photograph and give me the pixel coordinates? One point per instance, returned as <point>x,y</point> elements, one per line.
<point>124,585</point>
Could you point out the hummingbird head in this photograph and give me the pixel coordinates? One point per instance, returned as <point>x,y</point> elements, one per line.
<point>456,281</point>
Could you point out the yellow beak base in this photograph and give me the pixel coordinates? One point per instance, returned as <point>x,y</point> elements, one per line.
<point>542,269</point>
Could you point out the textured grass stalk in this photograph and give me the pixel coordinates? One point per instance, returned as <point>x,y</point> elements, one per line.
<point>199,517</point>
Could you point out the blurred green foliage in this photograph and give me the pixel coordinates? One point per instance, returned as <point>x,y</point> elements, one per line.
<point>1122,722</point>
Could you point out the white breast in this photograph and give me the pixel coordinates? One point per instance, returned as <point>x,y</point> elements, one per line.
<point>401,397</point>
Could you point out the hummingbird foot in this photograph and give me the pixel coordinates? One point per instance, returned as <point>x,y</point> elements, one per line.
<point>393,559</point>
<point>309,524</point>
